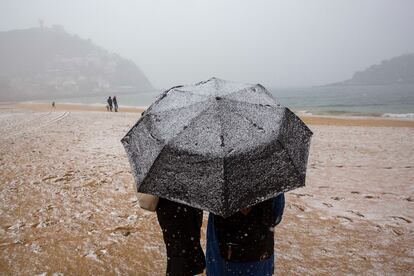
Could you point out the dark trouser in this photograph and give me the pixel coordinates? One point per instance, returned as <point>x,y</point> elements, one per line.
<point>180,226</point>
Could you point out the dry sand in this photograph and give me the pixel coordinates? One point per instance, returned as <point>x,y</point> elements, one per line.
<point>67,204</point>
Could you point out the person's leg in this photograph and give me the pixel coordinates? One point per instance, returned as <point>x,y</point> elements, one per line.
<point>181,226</point>
<point>215,264</point>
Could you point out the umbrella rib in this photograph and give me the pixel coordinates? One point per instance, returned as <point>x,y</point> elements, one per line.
<point>287,113</point>
<point>260,128</point>
<point>165,111</point>
<point>161,97</point>
<point>246,89</point>
<point>225,188</point>
<point>245,117</point>
<point>290,157</point>
<point>281,142</point>
<point>177,108</point>
<point>191,93</point>
<point>249,120</point>
<point>167,143</point>
<point>255,104</point>
<point>190,122</point>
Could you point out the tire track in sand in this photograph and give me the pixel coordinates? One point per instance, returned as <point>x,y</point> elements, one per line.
<point>9,126</point>
<point>41,124</point>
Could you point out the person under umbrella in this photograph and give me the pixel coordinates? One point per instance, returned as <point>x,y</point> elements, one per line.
<point>181,226</point>
<point>222,147</point>
<point>243,243</point>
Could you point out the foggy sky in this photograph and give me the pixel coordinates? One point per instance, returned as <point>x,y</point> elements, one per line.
<point>276,43</point>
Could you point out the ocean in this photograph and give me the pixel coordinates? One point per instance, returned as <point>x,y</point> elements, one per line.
<point>386,101</point>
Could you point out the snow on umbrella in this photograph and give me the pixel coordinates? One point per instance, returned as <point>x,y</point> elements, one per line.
<point>217,145</point>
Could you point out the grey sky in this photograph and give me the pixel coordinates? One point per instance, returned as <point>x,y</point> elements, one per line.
<point>277,43</point>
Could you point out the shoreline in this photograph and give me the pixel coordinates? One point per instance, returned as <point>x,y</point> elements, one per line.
<point>333,120</point>
<point>70,107</point>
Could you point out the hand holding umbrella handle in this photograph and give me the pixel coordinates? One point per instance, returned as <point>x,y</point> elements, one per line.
<point>148,202</point>
<point>246,211</point>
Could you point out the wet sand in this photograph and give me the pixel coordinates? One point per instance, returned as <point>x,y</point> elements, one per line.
<point>68,205</point>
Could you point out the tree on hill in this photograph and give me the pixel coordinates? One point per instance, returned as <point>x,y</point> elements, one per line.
<point>397,70</point>
<point>50,63</point>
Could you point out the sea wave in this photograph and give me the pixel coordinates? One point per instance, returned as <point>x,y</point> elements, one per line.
<point>395,115</point>
<point>303,112</point>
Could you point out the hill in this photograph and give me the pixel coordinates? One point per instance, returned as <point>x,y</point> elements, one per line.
<point>397,70</point>
<point>49,63</point>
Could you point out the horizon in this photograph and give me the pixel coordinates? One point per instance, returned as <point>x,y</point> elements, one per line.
<point>275,86</point>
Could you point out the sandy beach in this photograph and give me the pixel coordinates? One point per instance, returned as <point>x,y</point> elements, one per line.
<point>68,205</point>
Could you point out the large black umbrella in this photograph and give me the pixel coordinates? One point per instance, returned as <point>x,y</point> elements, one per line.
<point>217,145</point>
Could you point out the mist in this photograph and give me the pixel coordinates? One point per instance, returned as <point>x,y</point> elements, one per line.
<point>276,43</point>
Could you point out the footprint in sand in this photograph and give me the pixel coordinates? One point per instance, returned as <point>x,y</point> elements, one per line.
<point>401,218</point>
<point>356,213</point>
<point>48,177</point>
<point>344,219</point>
<point>301,195</point>
<point>395,230</point>
<point>410,199</point>
<point>388,193</point>
<point>371,197</point>
<point>298,207</point>
<point>123,230</point>
<point>355,192</point>
<point>327,204</point>
<point>337,198</point>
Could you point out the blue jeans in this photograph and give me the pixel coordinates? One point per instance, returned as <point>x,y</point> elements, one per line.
<point>217,266</point>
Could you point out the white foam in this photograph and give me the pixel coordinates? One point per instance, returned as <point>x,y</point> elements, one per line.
<point>402,115</point>
<point>134,106</point>
<point>304,112</point>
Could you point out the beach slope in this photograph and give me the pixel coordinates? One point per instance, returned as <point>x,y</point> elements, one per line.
<point>68,203</point>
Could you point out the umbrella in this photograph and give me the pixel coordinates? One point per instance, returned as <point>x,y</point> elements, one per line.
<point>218,145</point>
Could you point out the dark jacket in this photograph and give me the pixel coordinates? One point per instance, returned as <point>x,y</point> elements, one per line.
<point>249,237</point>
<point>180,226</point>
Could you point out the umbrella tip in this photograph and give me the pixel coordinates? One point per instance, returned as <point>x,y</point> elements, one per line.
<point>215,79</point>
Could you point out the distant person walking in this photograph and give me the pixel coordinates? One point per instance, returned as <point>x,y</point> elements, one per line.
<point>53,104</point>
<point>110,103</point>
<point>115,104</point>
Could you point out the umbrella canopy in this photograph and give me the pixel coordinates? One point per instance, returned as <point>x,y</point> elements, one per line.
<point>217,145</point>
